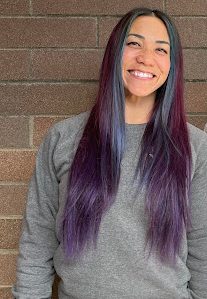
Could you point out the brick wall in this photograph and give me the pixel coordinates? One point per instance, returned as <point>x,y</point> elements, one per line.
<point>50,53</point>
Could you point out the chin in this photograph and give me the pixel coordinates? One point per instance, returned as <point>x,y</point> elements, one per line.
<point>143,94</point>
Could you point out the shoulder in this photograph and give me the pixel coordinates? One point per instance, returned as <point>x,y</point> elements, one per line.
<point>62,140</point>
<point>198,138</point>
<point>70,126</point>
<point>66,130</point>
<point>196,133</point>
<point>198,142</point>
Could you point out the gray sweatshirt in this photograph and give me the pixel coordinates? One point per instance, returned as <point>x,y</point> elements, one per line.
<point>118,268</point>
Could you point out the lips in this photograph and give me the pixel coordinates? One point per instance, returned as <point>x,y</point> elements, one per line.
<point>140,74</point>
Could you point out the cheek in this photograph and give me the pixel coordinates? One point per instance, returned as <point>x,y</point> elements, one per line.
<point>166,66</point>
<point>127,57</point>
<point>124,63</point>
<point>124,59</point>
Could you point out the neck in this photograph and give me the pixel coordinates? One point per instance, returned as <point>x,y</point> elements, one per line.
<point>138,110</point>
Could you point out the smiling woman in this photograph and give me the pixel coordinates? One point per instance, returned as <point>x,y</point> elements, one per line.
<point>117,203</point>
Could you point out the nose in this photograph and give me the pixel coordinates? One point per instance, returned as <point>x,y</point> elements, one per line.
<point>145,57</point>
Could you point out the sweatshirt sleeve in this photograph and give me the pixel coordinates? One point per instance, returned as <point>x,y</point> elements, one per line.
<point>197,235</point>
<point>38,242</point>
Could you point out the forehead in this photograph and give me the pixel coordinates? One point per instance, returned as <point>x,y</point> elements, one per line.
<point>150,27</point>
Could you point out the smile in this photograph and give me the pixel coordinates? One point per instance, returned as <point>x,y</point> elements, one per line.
<point>139,74</point>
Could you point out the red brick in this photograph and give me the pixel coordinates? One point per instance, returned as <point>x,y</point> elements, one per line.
<point>12,199</point>
<point>192,31</point>
<point>195,97</point>
<point>5,293</point>
<point>66,64</point>
<point>47,32</point>
<point>198,120</point>
<point>41,126</point>
<point>55,288</point>
<point>106,26</point>
<point>14,132</point>
<point>91,7</point>
<point>10,233</point>
<point>16,166</point>
<point>50,99</point>
<point>55,294</point>
<point>7,269</point>
<point>194,65</point>
<point>11,7</point>
<point>183,7</point>
<point>14,64</point>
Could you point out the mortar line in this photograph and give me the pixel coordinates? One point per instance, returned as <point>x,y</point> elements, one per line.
<point>8,251</point>
<point>31,131</point>
<point>30,8</point>
<point>11,217</point>
<point>13,184</point>
<point>164,5</point>
<point>18,150</point>
<point>97,31</point>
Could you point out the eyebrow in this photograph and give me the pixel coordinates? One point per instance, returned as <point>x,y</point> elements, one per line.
<point>142,37</point>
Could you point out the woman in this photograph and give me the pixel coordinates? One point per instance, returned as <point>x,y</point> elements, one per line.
<point>117,205</point>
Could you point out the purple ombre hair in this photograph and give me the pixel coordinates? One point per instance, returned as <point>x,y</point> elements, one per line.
<point>164,166</point>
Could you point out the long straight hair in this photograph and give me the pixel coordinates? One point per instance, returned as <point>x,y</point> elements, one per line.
<point>164,165</point>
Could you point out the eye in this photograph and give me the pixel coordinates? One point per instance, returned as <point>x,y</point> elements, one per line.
<point>133,44</point>
<point>162,50</point>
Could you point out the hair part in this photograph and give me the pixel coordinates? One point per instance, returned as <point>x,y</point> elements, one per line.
<point>164,165</point>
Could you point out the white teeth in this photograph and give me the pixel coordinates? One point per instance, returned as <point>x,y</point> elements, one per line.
<point>141,74</point>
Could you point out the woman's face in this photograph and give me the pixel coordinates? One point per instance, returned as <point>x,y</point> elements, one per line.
<point>146,57</point>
